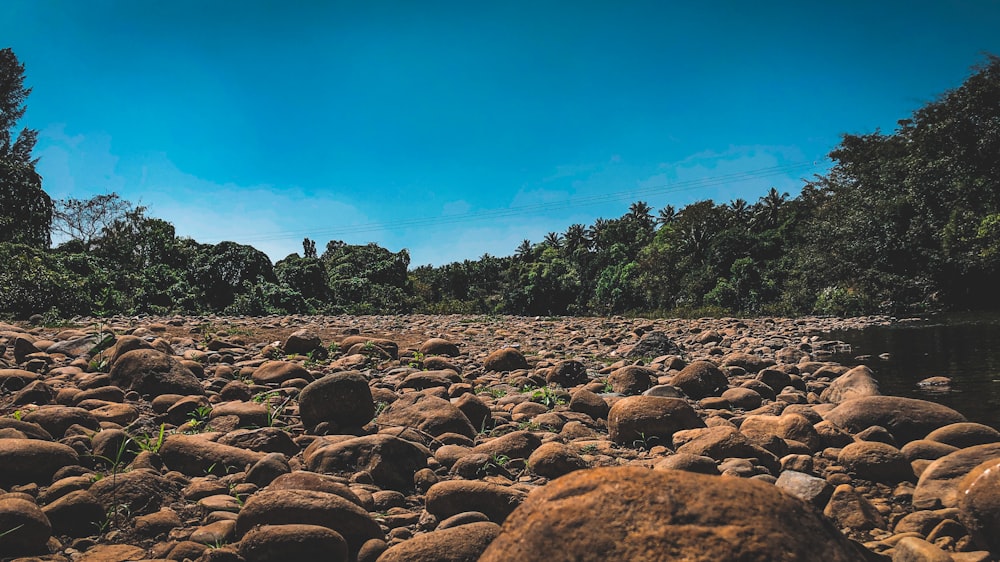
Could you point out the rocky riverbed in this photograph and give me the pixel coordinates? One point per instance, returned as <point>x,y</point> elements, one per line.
<point>476,438</point>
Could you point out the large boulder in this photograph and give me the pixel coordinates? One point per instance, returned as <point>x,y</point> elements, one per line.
<point>280,543</point>
<point>650,420</point>
<point>631,379</point>
<point>24,461</point>
<point>644,515</point>
<point>390,461</point>
<point>137,492</point>
<point>700,379</point>
<point>979,504</point>
<point>24,528</point>
<point>152,373</point>
<point>859,382</point>
<point>427,413</point>
<point>341,399</point>
<point>654,344</point>
<point>938,485</point>
<point>277,372</point>
<point>906,418</point>
<point>452,497</point>
<point>302,342</point>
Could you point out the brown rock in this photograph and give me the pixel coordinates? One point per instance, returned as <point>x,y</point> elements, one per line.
<point>427,413</point>
<point>850,509</point>
<point>452,497</point>
<point>878,462</point>
<point>979,504</point>
<point>23,461</point>
<point>859,382</point>
<point>464,543</point>
<point>57,419</point>
<point>197,456</point>
<point>151,373</point>
<point>139,491</point>
<point>16,379</point>
<point>700,379</point>
<point>553,460</point>
<point>568,373</point>
<point>906,418</point>
<point>302,342</point>
<point>282,543</point>
<point>390,461</point>
<point>631,379</point>
<point>303,480</point>
<point>749,363</point>
<point>307,507</point>
<point>439,346</point>
<point>650,419</point>
<point>965,434</point>
<point>506,359</point>
<point>643,515</point>
<point>514,445</point>
<point>26,530</point>
<point>938,485</point>
<point>913,549</point>
<point>77,514</point>
<point>277,372</point>
<point>724,442</point>
<point>342,399</point>
<point>586,402</point>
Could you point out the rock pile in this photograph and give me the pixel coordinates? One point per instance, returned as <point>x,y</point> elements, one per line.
<point>368,439</point>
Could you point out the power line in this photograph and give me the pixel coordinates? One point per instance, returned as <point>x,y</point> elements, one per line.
<point>430,222</point>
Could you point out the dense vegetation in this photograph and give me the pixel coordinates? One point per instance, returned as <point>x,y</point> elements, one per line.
<point>903,221</point>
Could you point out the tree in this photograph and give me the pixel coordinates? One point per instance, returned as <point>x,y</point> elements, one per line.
<point>83,221</point>
<point>25,210</point>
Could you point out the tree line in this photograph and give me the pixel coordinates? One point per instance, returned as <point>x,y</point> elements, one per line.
<point>905,221</point>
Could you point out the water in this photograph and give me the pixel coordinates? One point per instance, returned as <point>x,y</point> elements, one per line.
<point>964,348</point>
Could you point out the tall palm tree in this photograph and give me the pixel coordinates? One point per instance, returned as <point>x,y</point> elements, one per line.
<point>769,207</point>
<point>667,215</point>
<point>523,250</point>
<point>553,240</point>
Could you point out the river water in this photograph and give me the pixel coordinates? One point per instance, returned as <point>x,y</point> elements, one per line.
<point>964,348</point>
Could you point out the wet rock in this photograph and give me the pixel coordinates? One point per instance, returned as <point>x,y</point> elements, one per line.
<point>452,497</point>
<point>390,461</point>
<point>859,382</point>
<point>966,434</point>
<point>808,488</point>
<point>464,543</point>
<point>151,373</point>
<point>650,419</point>
<point>26,529</point>
<point>506,359</point>
<point>342,399</point>
<point>938,485</point>
<point>700,379</point>
<point>852,510</point>
<point>875,461</point>
<point>281,543</point>
<point>979,504</point>
<point>906,418</point>
<point>611,514</point>
<point>31,460</point>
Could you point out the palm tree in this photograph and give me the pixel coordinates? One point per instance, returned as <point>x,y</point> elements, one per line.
<point>667,215</point>
<point>575,237</point>
<point>553,240</point>
<point>769,207</point>
<point>523,251</point>
<point>739,210</point>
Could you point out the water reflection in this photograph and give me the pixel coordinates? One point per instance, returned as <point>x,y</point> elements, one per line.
<point>964,348</point>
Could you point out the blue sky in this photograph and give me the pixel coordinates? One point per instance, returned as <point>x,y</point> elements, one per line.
<point>454,129</point>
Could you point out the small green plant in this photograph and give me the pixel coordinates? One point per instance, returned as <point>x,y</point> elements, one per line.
<point>151,443</point>
<point>493,391</point>
<point>588,449</point>
<point>418,360</point>
<point>607,389</point>
<point>273,413</point>
<point>380,407</point>
<point>17,414</point>
<point>495,465</point>
<point>644,442</point>
<point>529,426</point>
<point>274,354</point>
<point>547,397</point>
<point>333,348</point>
<point>201,414</point>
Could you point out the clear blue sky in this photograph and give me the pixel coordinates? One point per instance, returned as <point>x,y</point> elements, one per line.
<point>454,129</point>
